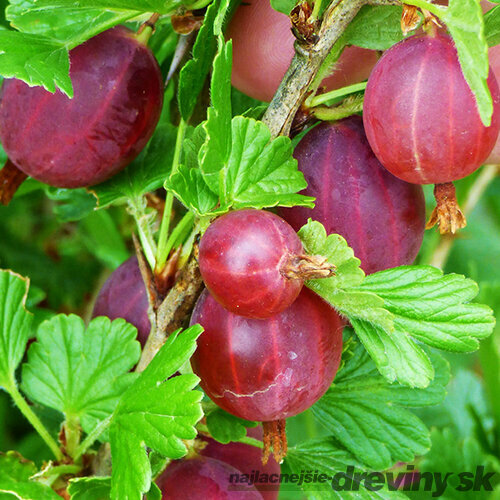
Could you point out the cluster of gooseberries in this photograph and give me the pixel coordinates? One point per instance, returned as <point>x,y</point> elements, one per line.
<point>420,118</point>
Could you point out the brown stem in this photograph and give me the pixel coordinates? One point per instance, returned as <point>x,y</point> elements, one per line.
<point>447,214</point>
<point>307,61</point>
<point>10,180</point>
<point>175,308</point>
<point>308,267</point>
<point>275,437</point>
<point>150,23</point>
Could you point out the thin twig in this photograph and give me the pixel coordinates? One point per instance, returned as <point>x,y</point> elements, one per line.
<point>174,310</point>
<point>307,61</point>
<point>305,64</point>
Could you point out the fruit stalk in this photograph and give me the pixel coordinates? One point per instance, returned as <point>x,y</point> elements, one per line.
<point>137,208</point>
<point>488,174</point>
<point>162,253</point>
<point>34,420</point>
<point>307,62</point>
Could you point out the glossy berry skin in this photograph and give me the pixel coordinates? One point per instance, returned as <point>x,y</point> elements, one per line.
<point>242,259</point>
<point>263,47</point>
<point>381,217</point>
<point>271,369</point>
<point>202,478</point>
<point>421,117</point>
<point>247,459</point>
<point>494,55</point>
<point>118,95</point>
<point>124,296</point>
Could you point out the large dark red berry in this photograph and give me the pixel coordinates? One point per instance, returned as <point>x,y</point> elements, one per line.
<point>271,369</point>
<point>253,263</point>
<point>118,95</point>
<point>381,217</point>
<point>420,115</point>
<point>204,478</point>
<point>124,296</point>
<point>247,459</point>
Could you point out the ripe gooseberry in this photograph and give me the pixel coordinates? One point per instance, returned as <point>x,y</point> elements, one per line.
<point>381,217</point>
<point>263,47</point>
<point>118,95</point>
<point>203,478</point>
<point>247,459</point>
<point>422,120</point>
<point>253,263</point>
<point>494,54</point>
<point>268,370</point>
<point>124,296</point>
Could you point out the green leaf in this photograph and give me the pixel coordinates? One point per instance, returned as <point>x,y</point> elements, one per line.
<point>330,458</point>
<point>66,280</point>
<point>425,306</point>
<point>99,488</point>
<point>188,185</point>
<point>81,373</point>
<point>15,325</point>
<point>14,467</point>
<point>283,6</point>
<point>15,473</point>
<point>35,59</point>
<point>375,27</point>
<point>90,488</point>
<point>397,357</point>
<point>154,493</point>
<point>194,73</point>
<point>464,20</point>
<point>451,456</point>
<point>335,249</point>
<point>225,427</point>
<point>157,412</point>
<point>260,172</point>
<point>369,417</point>
<point>71,24</point>
<point>146,173</point>
<point>338,290</point>
<point>131,474</point>
<point>432,308</point>
<point>492,26</point>
<point>137,7</point>
<point>217,147</point>
<point>103,239</point>
<point>73,204</point>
